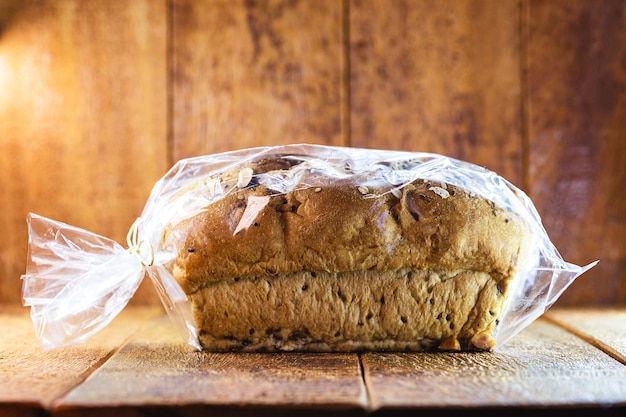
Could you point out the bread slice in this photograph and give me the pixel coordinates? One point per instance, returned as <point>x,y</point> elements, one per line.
<point>346,261</point>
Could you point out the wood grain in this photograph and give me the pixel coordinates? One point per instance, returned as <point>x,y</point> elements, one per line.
<point>157,369</point>
<point>250,73</point>
<point>98,97</point>
<point>543,366</point>
<point>576,100</point>
<point>438,77</point>
<point>33,378</point>
<point>604,328</point>
<point>83,118</point>
<point>139,366</point>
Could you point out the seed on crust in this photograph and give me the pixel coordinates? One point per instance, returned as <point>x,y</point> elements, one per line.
<point>244,178</point>
<point>440,192</point>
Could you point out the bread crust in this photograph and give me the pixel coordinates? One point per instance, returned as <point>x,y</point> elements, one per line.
<point>364,310</point>
<point>364,237</point>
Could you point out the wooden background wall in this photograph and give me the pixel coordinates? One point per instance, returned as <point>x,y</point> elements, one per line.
<point>98,98</point>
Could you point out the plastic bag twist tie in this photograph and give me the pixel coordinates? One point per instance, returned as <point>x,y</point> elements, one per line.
<point>135,245</point>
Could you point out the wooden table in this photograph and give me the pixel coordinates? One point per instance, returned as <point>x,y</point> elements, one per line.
<point>570,360</point>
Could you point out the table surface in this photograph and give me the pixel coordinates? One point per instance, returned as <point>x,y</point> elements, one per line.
<point>569,360</point>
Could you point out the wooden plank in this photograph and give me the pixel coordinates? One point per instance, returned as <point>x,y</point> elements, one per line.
<point>603,328</point>
<point>255,73</point>
<point>543,366</point>
<point>31,379</point>
<point>576,118</point>
<point>83,118</point>
<point>156,369</point>
<point>438,77</point>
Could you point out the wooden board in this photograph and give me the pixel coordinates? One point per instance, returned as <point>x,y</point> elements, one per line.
<point>544,366</point>
<point>31,379</point>
<point>156,369</point>
<point>603,328</point>
<point>575,82</point>
<point>438,77</point>
<point>83,124</point>
<point>248,74</point>
<point>140,366</point>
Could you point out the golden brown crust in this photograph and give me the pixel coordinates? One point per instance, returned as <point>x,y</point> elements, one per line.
<point>338,229</point>
<point>342,229</point>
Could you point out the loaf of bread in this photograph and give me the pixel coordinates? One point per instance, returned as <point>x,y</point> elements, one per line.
<point>295,255</point>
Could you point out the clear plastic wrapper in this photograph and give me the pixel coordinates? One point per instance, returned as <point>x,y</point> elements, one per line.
<point>76,282</point>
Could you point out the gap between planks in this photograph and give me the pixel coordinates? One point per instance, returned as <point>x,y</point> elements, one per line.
<point>595,342</point>
<point>33,378</point>
<point>88,372</point>
<point>368,397</point>
<point>150,313</point>
<point>345,106</point>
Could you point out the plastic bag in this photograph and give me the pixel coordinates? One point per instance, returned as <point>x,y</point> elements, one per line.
<point>76,282</point>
